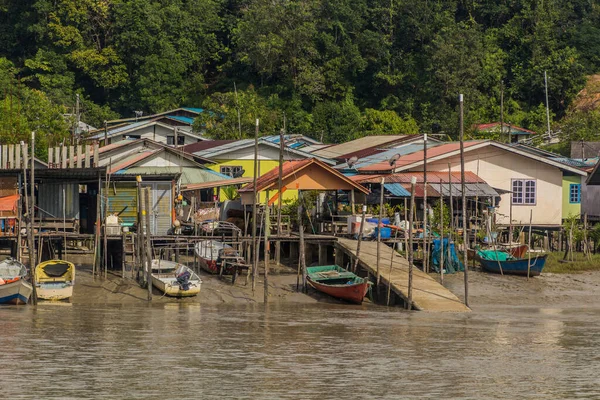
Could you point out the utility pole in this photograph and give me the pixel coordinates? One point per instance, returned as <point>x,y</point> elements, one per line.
<point>547,103</point>
<point>77,117</point>
<point>464,199</point>
<point>279,190</point>
<point>502,111</point>
<point>254,217</point>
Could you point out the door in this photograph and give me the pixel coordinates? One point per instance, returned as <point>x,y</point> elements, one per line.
<point>160,221</point>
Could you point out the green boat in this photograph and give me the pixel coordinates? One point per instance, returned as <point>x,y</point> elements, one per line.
<point>338,282</point>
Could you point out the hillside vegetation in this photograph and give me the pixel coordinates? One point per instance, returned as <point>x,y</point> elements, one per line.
<point>338,69</point>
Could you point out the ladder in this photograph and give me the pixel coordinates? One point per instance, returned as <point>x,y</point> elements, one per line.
<point>129,251</point>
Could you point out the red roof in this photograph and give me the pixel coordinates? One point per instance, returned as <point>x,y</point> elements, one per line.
<point>418,156</point>
<point>204,145</point>
<point>485,127</point>
<point>405,177</point>
<point>294,167</point>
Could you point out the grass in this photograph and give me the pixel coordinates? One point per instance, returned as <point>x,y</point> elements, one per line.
<point>555,265</point>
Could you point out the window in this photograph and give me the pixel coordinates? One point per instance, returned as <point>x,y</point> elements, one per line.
<point>575,193</point>
<point>170,140</point>
<point>233,171</point>
<point>523,191</point>
<point>180,140</point>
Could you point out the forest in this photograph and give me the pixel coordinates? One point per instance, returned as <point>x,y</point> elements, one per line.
<point>337,69</point>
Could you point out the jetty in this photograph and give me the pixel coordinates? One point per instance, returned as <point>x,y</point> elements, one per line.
<point>428,294</point>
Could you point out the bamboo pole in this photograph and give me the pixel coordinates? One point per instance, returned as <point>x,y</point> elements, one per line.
<point>413,183</point>
<point>29,227</point>
<point>254,200</point>
<point>148,243</point>
<point>442,235</point>
<point>379,225</point>
<point>389,291</point>
<point>405,230</point>
<point>267,250</point>
<point>529,245</point>
<point>360,234</point>
<point>464,200</point>
<point>279,194</point>
<point>32,200</point>
<point>425,231</point>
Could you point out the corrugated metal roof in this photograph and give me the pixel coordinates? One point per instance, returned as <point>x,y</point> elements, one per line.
<point>396,189</point>
<point>212,184</point>
<point>189,175</point>
<point>181,118</point>
<point>383,156</point>
<point>471,190</point>
<point>204,145</point>
<point>193,109</point>
<point>432,177</point>
<point>120,129</point>
<point>357,145</point>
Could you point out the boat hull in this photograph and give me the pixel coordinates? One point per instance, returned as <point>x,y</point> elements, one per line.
<point>173,290</point>
<point>515,267</point>
<point>17,292</point>
<point>54,291</point>
<point>354,293</point>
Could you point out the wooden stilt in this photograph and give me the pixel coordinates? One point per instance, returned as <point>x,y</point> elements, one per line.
<point>267,250</point>
<point>529,245</point>
<point>254,213</point>
<point>379,225</point>
<point>360,234</point>
<point>148,243</point>
<point>410,242</point>
<point>464,201</point>
<point>442,255</point>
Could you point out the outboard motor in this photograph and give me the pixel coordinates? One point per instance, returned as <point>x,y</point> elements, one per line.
<point>183,279</point>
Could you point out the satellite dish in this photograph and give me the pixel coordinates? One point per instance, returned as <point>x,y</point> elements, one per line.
<point>352,161</point>
<point>393,160</point>
<point>239,173</point>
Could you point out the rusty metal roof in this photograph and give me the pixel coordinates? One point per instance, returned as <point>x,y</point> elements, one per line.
<point>405,177</point>
<point>360,147</point>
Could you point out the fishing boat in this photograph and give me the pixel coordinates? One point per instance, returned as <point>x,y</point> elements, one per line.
<point>338,282</point>
<point>54,280</point>
<point>505,263</point>
<point>210,252</point>
<point>174,279</point>
<point>14,288</point>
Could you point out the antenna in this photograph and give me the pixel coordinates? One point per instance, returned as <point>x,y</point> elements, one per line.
<point>138,114</point>
<point>393,160</point>
<point>238,173</point>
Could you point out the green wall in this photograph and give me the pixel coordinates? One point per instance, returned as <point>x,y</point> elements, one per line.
<point>569,209</point>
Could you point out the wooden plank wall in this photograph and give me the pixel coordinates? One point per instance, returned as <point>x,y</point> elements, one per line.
<point>15,156</point>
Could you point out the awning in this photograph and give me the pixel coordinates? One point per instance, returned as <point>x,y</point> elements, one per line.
<point>214,184</point>
<point>396,189</point>
<point>471,189</point>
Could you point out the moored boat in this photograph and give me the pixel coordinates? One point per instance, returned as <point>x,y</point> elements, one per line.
<point>210,252</point>
<point>505,263</point>
<point>174,279</point>
<point>14,288</point>
<point>338,282</point>
<point>516,250</point>
<point>54,280</point>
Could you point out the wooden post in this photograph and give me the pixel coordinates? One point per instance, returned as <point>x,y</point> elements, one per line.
<point>352,202</point>
<point>148,243</point>
<point>425,230</point>
<point>71,156</point>
<point>302,256</point>
<point>140,227</point>
<point>405,231</point>
<point>389,291</point>
<point>451,199</point>
<point>254,200</point>
<point>11,156</point>
<point>413,183</point>
<point>29,227</point>
<point>510,226</point>
<point>267,250</point>
<point>442,255</point>
<point>79,156</point>
<point>87,156</point>
<point>279,194</point>
<point>360,234</point>
<point>464,200</point>
<point>379,225</point>
<point>32,200</point>
<point>529,244</point>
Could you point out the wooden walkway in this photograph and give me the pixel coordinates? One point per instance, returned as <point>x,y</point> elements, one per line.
<point>428,294</point>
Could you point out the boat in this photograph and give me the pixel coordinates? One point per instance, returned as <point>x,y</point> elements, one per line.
<point>54,280</point>
<point>210,253</point>
<point>505,263</point>
<point>517,250</point>
<point>338,282</point>
<point>174,279</point>
<point>14,288</point>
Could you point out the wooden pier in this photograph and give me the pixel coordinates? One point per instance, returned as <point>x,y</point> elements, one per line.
<point>428,294</point>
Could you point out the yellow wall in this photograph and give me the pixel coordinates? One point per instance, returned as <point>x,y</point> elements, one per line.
<point>569,209</point>
<point>248,166</point>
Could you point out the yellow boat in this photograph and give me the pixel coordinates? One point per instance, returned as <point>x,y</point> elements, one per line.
<point>54,280</point>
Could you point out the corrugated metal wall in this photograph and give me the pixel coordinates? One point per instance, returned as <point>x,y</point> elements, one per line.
<point>162,207</point>
<point>50,200</point>
<point>122,198</point>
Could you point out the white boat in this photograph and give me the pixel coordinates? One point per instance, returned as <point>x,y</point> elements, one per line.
<point>209,251</point>
<point>14,288</point>
<point>54,280</point>
<point>174,279</point>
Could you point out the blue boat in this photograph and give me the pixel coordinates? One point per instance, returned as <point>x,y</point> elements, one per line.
<point>501,262</point>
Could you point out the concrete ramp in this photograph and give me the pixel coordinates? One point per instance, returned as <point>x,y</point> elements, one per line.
<point>428,294</point>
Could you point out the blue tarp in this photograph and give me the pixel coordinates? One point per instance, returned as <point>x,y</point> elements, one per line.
<point>451,262</point>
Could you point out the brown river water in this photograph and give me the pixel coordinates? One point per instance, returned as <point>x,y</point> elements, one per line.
<point>288,351</point>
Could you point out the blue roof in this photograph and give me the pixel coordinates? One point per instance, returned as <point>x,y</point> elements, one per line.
<point>180,118</point>
<point>396,189</point>
<point>220,175</point>
<point>193,109</point>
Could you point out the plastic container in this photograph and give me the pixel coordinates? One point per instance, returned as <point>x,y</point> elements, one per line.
<point>385,221</point>
<point>386,233</point>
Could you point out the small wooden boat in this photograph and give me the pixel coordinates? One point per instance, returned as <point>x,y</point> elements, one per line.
<point>174,279</point>
<point>338,282</point>
<point>210,252</point>
<point>54,280</point>
<point>14,288</point>
<point>501,262</point>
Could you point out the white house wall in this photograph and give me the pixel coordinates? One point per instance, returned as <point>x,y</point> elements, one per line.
<point>498,167</point>
<point>157,133</point>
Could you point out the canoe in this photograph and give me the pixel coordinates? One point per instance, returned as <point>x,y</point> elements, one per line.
<point>54,280</point>
<point>210,251</point>
<point>14,288</point>
<point>338,282</point>
<point>174,279</point>
<point>513,266</point>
